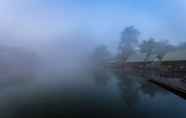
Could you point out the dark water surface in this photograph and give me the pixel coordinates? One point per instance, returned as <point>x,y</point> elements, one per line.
<point>90,95</point>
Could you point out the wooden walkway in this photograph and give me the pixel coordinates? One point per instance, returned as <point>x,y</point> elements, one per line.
<point>177,86</point>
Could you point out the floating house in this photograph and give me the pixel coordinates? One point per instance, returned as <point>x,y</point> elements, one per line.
<point>135,63</point>
<point>174,64</point>
<point>139,63</point>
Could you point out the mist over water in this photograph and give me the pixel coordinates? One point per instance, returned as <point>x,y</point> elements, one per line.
<point>64,82</point>
<point>55,58</point>
<point>64,77</point>
<point>89,93</point>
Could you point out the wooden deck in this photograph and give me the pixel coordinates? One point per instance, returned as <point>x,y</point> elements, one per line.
<point>177,86</point>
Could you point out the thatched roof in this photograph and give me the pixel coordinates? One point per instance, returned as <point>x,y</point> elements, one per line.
<point>141,57</point>
<point>179,55</point>
<point>152,58</point>
<point>136,58</point>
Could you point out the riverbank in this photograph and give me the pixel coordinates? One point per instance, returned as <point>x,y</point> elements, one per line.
<point>177,86</point>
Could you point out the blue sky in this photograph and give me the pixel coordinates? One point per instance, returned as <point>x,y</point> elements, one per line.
<point>162,19</point>
<point>105,19</point>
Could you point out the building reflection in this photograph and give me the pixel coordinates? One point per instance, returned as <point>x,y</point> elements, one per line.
<point>132,91</point>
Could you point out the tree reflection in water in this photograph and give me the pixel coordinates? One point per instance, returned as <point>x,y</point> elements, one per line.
<point>101,76</point>
<point>78,96</point>
<point>152,90</point>
<point>132,91</point>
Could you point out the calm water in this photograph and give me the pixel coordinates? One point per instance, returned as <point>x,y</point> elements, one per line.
<point>90,94</point>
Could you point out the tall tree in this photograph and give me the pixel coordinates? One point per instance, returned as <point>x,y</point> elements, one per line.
<point>148,47</point>
<point>159,48</point>
<point>162,47</point>
<point>128,42</point>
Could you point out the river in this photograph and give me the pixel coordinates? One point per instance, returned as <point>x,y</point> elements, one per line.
<point>95,94</point>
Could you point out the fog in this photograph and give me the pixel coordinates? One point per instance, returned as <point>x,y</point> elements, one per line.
<point>55,57</point>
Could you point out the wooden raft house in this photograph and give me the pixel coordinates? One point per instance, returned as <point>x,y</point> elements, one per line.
<point>174,64</point>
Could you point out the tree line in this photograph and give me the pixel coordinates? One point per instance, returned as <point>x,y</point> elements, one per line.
<point>130,43</point>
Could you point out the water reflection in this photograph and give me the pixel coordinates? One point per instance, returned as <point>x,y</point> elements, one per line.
<point>91,94</point>
<point>101,76</point>
<point>147,100</point>
<point>151,89</point>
